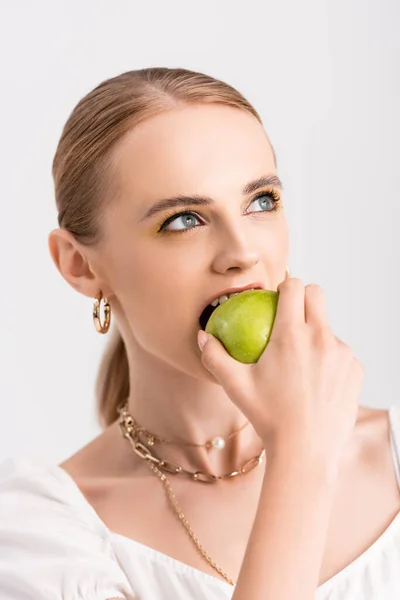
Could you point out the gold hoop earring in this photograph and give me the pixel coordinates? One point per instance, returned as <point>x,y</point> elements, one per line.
<point>287,273</point>
<point>101,328</point>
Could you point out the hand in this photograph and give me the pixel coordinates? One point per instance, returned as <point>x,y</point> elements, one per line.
<point>304,389</point>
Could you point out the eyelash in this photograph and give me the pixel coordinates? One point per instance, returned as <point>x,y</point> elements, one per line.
<point>272,195</point>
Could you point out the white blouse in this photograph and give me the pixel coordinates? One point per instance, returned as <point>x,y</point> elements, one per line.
<point>54,546</point>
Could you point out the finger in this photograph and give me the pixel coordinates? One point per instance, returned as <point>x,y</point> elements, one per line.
<point>230,373</point>
<point>315,306</point>
<point>290,308</point>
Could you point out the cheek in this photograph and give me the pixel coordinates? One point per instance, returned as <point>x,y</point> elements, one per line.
<point>160,296</point>
<point>167,277</point>
<point>164,325</point>
<point>275,238</point>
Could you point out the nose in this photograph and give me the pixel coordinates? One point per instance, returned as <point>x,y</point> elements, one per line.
<point>234,251</point>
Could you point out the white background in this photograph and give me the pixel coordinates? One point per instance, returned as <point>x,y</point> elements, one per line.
<point>324,76</point>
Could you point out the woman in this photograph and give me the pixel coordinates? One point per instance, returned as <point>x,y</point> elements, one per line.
<point>168,198</point>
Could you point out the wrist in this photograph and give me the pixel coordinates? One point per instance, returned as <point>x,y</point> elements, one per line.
<point>299,457</point>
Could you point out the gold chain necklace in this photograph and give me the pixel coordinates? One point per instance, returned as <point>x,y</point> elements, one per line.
<point>128,431</point>
<point>216,443</point>
<point>154,464</point>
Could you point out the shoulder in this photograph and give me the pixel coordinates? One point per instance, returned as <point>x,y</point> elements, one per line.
<point>373,428</point>
<point>34,495</point>
<point>374,445</point>
<point>51,542</point>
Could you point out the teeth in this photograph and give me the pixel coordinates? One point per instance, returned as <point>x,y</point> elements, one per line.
<point>224,298</point>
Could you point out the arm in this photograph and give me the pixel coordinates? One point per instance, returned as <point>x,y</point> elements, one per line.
<point>301,397</point>
<point>286,544</point>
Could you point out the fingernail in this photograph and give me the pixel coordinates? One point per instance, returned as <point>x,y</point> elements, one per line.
<point>202,339</point>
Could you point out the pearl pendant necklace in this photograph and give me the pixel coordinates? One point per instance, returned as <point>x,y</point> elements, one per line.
<point>217,443</point>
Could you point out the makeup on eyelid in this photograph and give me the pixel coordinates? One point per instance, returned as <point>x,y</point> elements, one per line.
<point>273,195</point>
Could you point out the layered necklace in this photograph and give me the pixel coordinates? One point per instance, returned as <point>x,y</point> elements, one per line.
<point>143,441</point>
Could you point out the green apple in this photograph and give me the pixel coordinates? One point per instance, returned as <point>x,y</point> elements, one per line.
<point>243,323</point>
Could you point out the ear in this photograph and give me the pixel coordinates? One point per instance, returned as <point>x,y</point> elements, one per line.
<point>74,261</point>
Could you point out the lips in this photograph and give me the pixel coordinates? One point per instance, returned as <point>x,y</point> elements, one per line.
<point>207,309</point>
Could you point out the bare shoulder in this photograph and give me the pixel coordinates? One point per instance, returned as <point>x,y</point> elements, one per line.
<point>372,424</point>
<point>371,445</point>
<point>372,429</point>
<point>114,481</point>
<point>105,458</point>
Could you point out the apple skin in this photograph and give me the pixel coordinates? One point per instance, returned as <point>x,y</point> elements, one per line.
<point>243,323</point>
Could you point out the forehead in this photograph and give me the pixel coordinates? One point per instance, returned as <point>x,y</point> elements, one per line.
<point>199,148</point>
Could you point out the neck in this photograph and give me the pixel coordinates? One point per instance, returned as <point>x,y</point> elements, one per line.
<point>180,408</point>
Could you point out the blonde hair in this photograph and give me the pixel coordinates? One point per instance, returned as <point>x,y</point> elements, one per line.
<point>84,180</point>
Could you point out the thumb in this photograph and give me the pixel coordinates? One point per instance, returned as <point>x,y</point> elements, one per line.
<point>230,373</point>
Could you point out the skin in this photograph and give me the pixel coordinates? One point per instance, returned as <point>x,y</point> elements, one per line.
<point>157,285</point>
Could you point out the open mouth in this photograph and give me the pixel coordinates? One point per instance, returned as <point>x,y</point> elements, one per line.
<point>206,314</point>
<point>209,309</point>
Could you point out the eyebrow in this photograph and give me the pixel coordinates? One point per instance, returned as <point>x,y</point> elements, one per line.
<point>196,200</point>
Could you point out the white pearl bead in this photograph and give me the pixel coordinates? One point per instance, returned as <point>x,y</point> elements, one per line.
<point>218,443</point>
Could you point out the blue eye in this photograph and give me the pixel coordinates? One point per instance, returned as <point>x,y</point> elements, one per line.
<point>263,198</point>
<point>188,218</point>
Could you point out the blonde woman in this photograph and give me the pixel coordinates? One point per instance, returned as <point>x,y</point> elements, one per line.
<point>212,479</point>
